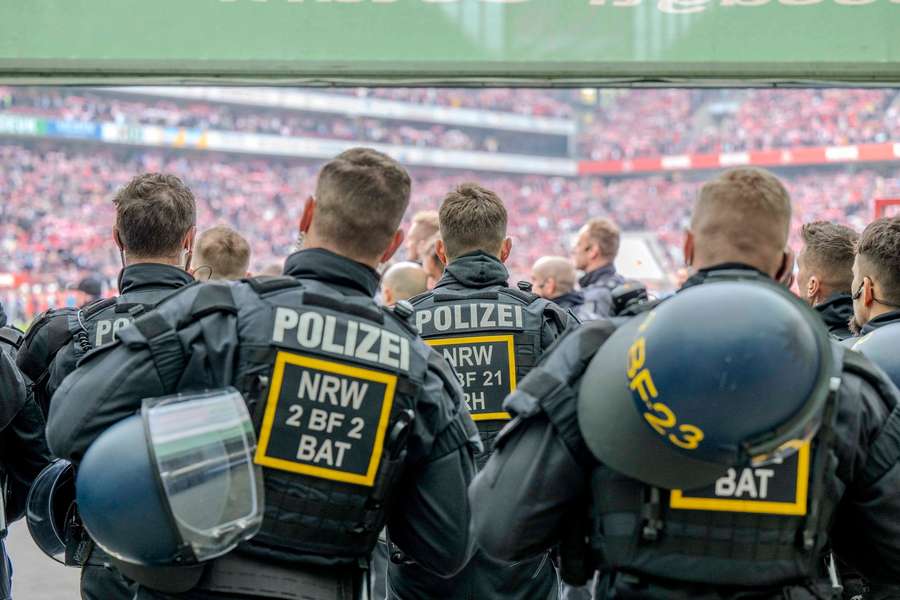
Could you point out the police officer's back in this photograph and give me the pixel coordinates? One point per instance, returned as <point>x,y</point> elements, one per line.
<point>154,232</point>
<point>825,273</point>
<point>23,449</point>
<point>492,335</point>
<point>733,538</point>
<point>359,422</point>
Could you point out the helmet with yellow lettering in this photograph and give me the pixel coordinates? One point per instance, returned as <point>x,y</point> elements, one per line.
<point>724,374</point>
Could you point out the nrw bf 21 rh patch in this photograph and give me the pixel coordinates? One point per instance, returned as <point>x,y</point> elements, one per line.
<point>486,368</point>
<point>778,489</point>
<point>325,419</point>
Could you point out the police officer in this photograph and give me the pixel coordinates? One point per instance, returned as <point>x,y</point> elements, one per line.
<point>825,272</point>
<point>492,335</point>
<point>876,278</point>
<point>553,278</point>
<point>154,231</point>
<point>595,251</point>
<point>23,449</point>
<point>699,385</point>
<point>359,422</point>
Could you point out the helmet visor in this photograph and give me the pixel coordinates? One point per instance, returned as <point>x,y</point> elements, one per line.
<point>203,447</point>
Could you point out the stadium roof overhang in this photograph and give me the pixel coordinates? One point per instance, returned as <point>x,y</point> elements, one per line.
<point>456,42</point>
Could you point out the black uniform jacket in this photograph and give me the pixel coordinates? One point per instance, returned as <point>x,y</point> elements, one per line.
<point>537,481</point>
<point>23,449</point>
<point>836,312</point>
<point>880,321</point>
<point>571,300</point>
<point>483,578</point>
<point>49,352</point>
<point>430,518</point>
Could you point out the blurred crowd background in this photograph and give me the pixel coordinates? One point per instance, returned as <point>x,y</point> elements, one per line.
<point>250,157</point>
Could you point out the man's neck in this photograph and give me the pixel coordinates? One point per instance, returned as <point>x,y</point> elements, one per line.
<point>313,241</point>
<point>879,309</point>
<point>158,260</point>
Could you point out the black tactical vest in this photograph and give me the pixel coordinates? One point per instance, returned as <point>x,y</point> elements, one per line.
<point>492,339</point>
<point>331,381</point>
<point>763,526</point>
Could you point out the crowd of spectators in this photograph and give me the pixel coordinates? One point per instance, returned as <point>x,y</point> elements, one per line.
<point>632,123</point>
<point>82,104</point>
<point>56,215</point>
<point>612,124</point>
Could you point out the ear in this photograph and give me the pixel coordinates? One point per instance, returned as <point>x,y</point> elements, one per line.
<point>396,241</point>
<point>387,296</point>
<point>117,238</point>
<point>812,287</point>
<point>188,242</point>
<point>868,296</point>
<point>550,287</point>
<point>441,251</point>
<point>505,249</point>
<point>688,247</point>
<point>785,273</point>
<point>309,209</point>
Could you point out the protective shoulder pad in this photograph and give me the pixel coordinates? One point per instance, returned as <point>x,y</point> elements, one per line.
<point>212,298</point>
<point>89,310</point>
<point>11,337</point>
<point>525,298</point>
<point>268,284</point>
<point>558,314</point>
<point>44,338</point>
<point>419,297</point>
<point>404,321</point>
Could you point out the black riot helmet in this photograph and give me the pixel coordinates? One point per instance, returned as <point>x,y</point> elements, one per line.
<point>50,507</point>
<point>880,346</point>
<point>721,375</point>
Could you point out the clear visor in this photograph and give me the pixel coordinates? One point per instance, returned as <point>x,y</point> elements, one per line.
<point>203,445</point>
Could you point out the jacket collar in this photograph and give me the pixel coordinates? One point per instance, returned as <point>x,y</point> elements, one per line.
<point>475,270</point>
<point>592,277</point>
<point>836,311</point>
<point>703,274</point>
<point>323,265</point>
<point>880,321</point>
<point>152,275</point>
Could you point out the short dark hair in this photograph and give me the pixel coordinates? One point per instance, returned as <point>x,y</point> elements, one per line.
<point>879,246</point>
<point>829,248</point>
<point>742,215</point>
<point>472,218</point>
<point>153,214</point>
<point>361,196</point>
<point>605,234</point>
<point>224,251</point>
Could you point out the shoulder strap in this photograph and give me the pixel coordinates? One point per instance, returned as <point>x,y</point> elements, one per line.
<point>525,298</point>
<point>97,306</point>
<point>268,284</point>
<point>419,297</point>
<point>401,320</point>
<point>11,336</point>
<point>213,297</point>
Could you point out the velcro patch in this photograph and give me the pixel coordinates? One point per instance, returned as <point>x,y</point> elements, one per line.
<point>325,419</point>
<point>486,369</point>
<point>777,489</point>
